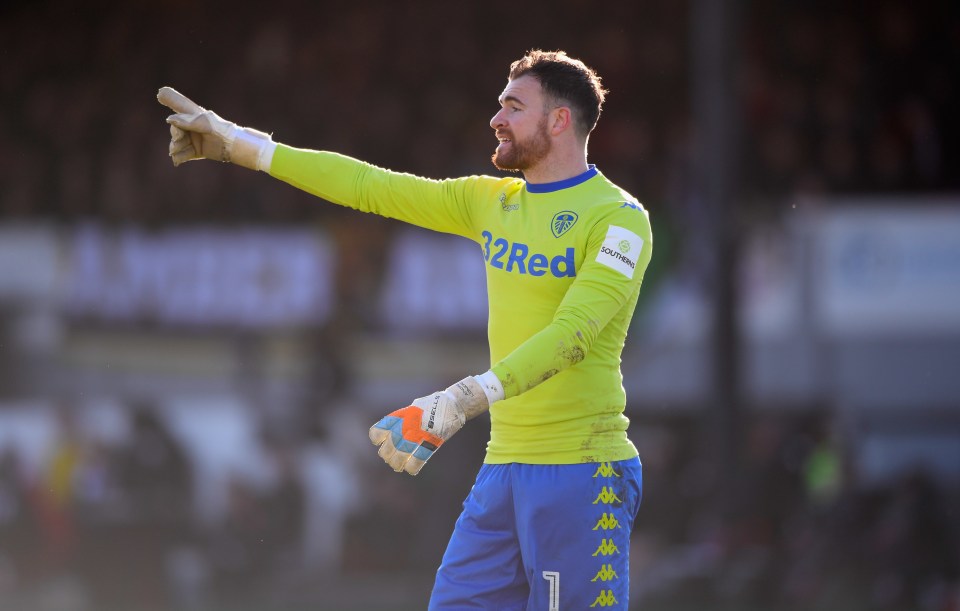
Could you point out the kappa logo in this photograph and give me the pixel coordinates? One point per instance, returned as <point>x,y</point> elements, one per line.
<point>607,521</point>
<point>562,222</point>
<point>607,548</point>
<point>607,496</point>
<point>606,573</point>
<point>605,470</point>
<point>605,599</point>
<point>632,206</point>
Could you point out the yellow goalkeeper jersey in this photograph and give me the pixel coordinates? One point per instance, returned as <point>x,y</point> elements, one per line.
<point>564,263</point>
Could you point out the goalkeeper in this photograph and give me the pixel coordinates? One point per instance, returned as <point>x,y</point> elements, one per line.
<point>547,523</point>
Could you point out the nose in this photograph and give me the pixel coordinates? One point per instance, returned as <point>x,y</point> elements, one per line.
<point>498,121</point>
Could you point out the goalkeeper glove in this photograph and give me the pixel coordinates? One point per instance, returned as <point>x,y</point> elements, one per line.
<point>409,436</point>
<point>197,133</point>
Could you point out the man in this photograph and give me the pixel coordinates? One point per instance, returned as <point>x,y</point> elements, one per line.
<point>547,523</point>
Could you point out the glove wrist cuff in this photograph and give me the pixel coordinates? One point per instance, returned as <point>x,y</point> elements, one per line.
<point>250,148</point>
<point>470,397</point>
<point>492,386</point>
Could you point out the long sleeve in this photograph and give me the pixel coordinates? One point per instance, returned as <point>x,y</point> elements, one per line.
<point>439,205</point>
<point>601,292</point>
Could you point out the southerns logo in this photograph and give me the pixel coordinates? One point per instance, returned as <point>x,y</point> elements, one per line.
<point>516,257</point>
<point>562,222</point>
<point>620,250</point>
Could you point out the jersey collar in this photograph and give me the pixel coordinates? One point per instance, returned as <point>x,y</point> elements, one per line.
<point>566,183</point>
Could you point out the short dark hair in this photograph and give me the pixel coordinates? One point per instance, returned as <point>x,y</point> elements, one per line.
<point>566,80</point>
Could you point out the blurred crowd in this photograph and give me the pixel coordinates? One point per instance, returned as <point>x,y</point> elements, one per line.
<point>834,97</point>
<point>116,525</point>
<point>795,529</point>
<point>141,520</point>
<point>841,98</point>
<point>101,514</point>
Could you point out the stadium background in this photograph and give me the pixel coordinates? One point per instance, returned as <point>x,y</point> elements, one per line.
<point>189,358</point>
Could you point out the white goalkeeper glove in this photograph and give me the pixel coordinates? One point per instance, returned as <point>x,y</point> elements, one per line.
<point>198,133</point>
<point>409,436</point>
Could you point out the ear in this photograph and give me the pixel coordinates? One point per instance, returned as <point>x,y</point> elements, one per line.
<point>561,119</point>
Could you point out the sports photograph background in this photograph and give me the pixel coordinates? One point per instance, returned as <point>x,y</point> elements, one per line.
<point>190,357</point>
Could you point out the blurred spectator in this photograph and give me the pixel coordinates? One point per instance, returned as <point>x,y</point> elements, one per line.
<point>155,475</point>
<point>907,561</point>
<point>56,493</point>
<point>135,504</point>
<point>19,530</point>
<point>285,505</point>
<point>258,546</point>
<point>236,547</point>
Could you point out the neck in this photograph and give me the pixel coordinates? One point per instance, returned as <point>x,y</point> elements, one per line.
<point>558,166</point>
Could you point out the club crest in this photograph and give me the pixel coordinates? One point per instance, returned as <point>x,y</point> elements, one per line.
<point>562,222</point>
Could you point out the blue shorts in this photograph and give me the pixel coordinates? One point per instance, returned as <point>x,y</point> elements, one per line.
<point>542,537</point>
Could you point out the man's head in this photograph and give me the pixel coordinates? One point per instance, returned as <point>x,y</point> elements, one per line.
<point>550,99</point>
<point>566,82</point>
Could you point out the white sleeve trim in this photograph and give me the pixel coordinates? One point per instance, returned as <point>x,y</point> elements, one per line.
<point>265,159</point>
<point>491,386</point>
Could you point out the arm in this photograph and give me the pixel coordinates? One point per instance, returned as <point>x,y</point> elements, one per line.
<point>198,133</point>
<point>438,205</point>
<point>608,280</point>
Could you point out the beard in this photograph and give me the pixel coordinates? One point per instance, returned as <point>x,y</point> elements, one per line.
<point>526,154</point>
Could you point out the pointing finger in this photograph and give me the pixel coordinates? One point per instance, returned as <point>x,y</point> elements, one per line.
<point>176,101</point>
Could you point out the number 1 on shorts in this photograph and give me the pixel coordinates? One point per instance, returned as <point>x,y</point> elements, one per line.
<point>553,578</point>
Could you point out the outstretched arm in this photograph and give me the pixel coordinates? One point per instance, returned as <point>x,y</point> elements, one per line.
<point>198,133</point>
